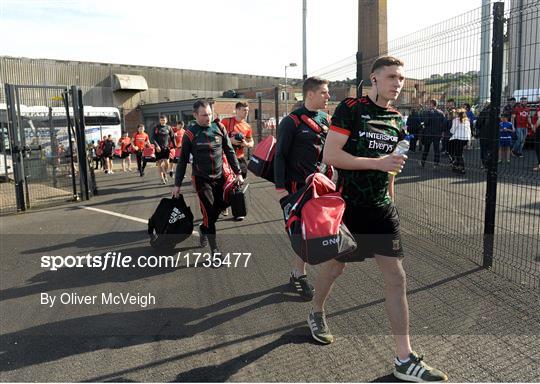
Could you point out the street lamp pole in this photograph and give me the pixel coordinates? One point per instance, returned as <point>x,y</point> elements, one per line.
<point>286,91</point>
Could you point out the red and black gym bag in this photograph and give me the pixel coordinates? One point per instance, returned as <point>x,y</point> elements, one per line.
<point>262,159</point>
<point>314,221</point>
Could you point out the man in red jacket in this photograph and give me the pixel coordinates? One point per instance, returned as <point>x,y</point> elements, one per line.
<point>521,120</point>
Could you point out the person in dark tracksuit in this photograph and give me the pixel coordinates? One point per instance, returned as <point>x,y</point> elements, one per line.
<point>414,127</point>
<point>161,136</point>
<point>299,154</point>
<point>207,142</point>
<point>435,123</point>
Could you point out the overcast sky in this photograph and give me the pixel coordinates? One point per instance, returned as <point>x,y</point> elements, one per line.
<point>241,36</point>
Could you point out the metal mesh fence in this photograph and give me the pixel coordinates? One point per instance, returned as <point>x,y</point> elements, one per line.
<point>443,190</point>
<point>48,159</point>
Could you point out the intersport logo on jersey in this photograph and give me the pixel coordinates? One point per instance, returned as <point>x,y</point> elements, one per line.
<point>380,141</point>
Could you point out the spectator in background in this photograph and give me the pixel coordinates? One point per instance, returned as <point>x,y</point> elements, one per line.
<point>536,128</point>
<point>482,129</point>
<point>414,127</point>
<point>521,120</point>
<point>434,123</point>
<point>508,109</point>
<point>506,129</point>
<point>461,134</point>
<point>92,153</point>
<point>471,117</point>
<point>449,114</point>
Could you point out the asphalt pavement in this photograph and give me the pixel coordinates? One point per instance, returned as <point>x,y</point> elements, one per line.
<point>240,323</point>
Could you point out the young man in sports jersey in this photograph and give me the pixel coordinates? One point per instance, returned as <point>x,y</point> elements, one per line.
<point>161,136</point>
<point>521,119</point>
<point>125,154</point>
<point>299,154</point>
<point>178,131</point>
<point>207,142</point>
<point>140,140</point>
<point>241,136</point>
<point>362,137</point>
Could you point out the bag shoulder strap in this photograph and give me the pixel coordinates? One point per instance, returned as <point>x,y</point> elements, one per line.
<point>303,118</point>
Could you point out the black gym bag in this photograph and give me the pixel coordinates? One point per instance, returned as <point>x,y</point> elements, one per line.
<point>171,223</point>
<point>238,200</point>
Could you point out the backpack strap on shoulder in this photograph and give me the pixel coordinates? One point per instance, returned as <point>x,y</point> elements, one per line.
<point>295,118</point>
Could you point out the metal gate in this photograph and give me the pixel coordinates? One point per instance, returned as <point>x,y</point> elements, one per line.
<point>43,148</point>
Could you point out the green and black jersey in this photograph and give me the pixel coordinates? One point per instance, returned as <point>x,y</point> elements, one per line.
<point>373,132</point>
<point>207,145</point>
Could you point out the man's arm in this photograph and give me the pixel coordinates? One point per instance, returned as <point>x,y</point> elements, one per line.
<point>229,153</point>
<point>248,141</point>
<point>391,189</point>
<point>183,160</point>
<point>283,146</point>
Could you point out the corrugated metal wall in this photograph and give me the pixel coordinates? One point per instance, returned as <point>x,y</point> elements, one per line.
<point>95,80</point>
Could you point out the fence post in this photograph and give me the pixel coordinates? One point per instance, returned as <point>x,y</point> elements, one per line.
<point>78,119</point>
<point>493,132</point>
<point>65,96</point>
<point>15,146</point>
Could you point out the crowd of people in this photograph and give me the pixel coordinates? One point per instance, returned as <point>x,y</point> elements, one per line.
<point>449,130</point>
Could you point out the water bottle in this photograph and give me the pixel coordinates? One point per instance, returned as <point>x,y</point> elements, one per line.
<point>402,148</point>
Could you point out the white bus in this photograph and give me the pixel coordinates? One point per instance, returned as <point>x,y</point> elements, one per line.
<point>98,121</point>
<point>37,123</point>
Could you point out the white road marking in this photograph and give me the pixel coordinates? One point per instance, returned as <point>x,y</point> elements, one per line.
<point>133,218</point>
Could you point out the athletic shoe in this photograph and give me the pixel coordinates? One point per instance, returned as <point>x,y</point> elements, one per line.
<point>225,212</point>
<point>417,371</point>
<point>319,328</point>
<point>301,286</point>
<point>520,155</point>
<point>203,239</point>
<point>239,218</point>
<point>514,154</point>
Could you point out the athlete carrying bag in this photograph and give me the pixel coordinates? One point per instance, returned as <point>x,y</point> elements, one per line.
<point>262,159</point>
<point>314,221</point>
<point>171,223</point>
